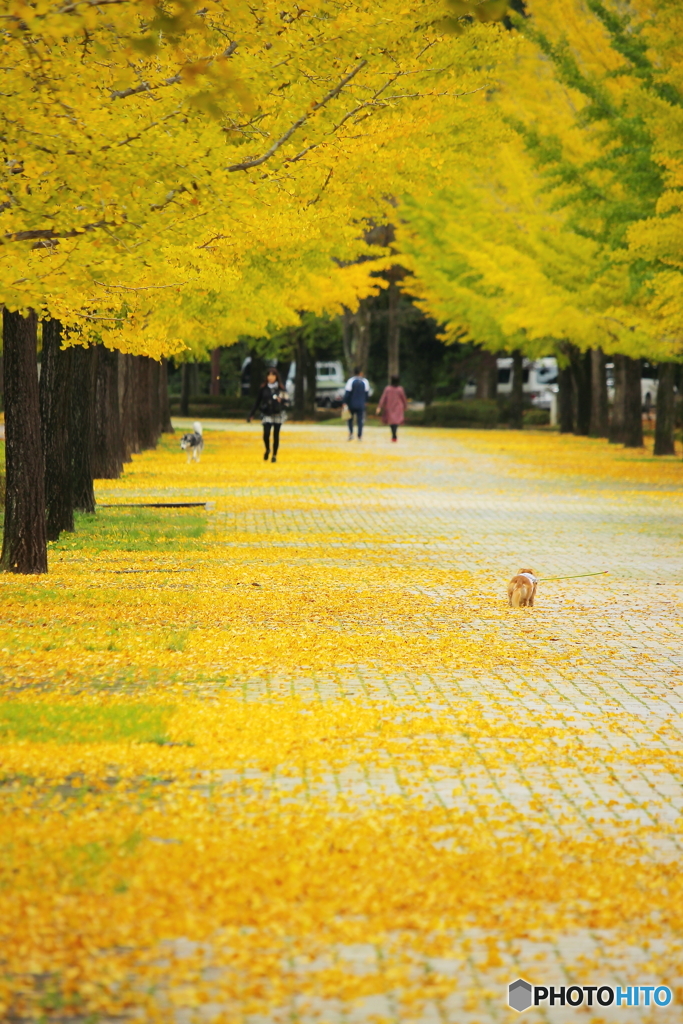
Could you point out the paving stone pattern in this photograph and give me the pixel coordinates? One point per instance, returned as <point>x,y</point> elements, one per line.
<point>621,674</point>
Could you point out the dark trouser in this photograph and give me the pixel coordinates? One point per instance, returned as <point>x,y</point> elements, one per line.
<point>360,416</point>
<point>394,429</point>
<point>276,436</point>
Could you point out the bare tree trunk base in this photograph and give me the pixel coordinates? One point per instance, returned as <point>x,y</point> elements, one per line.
<point>666,400</point>
<point>24,548</point>
<point>599,417</point>
<point>82,433</point>
<point>55,422</point>
<point>517,397</point>
<point>633,404</point>
<point>616,423</point>
<point>164,402</point>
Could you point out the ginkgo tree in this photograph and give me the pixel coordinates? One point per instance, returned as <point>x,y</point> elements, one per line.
<point>555,243</point>
<point>218,126</point>
<point>609,172</point>
<point>173,170</point>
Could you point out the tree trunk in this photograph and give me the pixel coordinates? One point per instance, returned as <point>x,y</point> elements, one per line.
<point>107,454</point>
<point>311,381</point>
<point>393,332</point>
<point>517,395</point>
<point>580,365</point>
<point>154,370</point>
<point>134,399</point>
<point>256,374</point>
<point>347,340</point>
<point>126,407</point>
<point>300,377</point>
<point>616,422</point>
<point>82,433</point>
<point>215,386</point>
<point>666,399</point>
<point>55,422</point>
<point>164,401</point>
<point>361,337</point>
<point>565,400</point>
<point>487,376</point>
<point>142,393</point>
<point>599,419</point>
<point>633,404</point>
<point>185,390</point>
<point>24,548</point>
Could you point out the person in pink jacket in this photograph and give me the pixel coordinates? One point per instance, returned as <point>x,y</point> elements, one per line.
<point>392,406</point>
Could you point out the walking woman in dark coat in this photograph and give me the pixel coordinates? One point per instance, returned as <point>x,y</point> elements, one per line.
<point>270,402</point>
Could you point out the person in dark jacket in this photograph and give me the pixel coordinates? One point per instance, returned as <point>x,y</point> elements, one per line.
<point>355,396</point>
<point>270,403</point>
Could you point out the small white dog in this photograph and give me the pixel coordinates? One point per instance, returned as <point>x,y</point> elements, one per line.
<point>193,443</point>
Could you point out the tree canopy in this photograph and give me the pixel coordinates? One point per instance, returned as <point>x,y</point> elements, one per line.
<point>177,174</point>
<point>571,230</point>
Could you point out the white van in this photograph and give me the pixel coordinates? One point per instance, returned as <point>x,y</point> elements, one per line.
<point>329,384</point>
<point>539,379</point>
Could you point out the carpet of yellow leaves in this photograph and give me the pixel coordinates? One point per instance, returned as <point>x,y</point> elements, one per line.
<point>188,834</point>
<point>591,458</point>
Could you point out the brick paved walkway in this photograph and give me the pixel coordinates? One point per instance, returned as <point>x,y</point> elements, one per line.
<point>605,658</point>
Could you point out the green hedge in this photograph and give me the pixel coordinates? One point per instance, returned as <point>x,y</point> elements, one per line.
<point>233,408</point>
<point>537,417</point>
<point>215,406</point>
<point>476,413</point>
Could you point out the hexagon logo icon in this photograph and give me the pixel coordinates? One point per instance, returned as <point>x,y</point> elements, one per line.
<point>519,995</point>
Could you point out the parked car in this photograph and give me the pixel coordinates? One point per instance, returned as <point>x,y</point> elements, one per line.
<point>539,377</point>
<point>330,381</point>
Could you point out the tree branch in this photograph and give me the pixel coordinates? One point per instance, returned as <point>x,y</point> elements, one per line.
<point>326,182</point>
<point>145,288</point>
<point>170,196</point>
<point>48,235</point>
<point>114,319</point>
<point>121,94</point>
<point>257,161</point>
<point>70,8</point>
<point>147,128</point>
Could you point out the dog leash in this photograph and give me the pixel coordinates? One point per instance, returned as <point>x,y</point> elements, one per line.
<point>581,575</point>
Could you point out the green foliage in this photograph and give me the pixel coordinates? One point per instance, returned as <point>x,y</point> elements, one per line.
<point>605,194</point>
<point>132,529</point>
<point>536,417</point>
<point>568,232</point>
<point>216,406</point>
<point>457,414</point>
<point>50,723</point>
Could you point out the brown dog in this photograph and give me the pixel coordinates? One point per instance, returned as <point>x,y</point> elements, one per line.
<point>522,589</point>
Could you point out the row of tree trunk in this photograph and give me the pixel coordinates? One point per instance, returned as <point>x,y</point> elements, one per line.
<point>582,400</point>
<point>91,410</point>
<point>583,406</point>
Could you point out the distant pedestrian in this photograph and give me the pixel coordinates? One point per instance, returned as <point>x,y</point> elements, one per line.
<point>392,406</point>
<point>355,397</point>
<point>270,403</point>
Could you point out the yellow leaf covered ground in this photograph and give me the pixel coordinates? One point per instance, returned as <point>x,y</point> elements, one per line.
<point>293,756</point>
